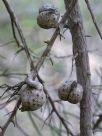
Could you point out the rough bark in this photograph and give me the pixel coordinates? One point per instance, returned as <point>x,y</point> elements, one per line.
<point>75,24</point>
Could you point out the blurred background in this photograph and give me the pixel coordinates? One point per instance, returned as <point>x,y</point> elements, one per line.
<point>14,67</point>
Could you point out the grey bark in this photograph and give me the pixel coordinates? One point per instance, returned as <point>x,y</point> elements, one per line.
<point>75,24</point>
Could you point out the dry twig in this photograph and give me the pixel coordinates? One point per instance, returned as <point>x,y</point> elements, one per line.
<point>93,18</point>
<point>10,118</point>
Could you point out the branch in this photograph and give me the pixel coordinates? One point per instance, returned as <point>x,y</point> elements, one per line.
<point>48,124</point>
<point>57,113</point>
<point>6,43</point>
<point>82,68</point>
<point>16,25</point>
<point>34,124</point>
<point>21,129</point>
<point>93,18</point>
<point>12,74</point>
<point>10,118</point>
<point>16,89</point>
<point>97,122</point>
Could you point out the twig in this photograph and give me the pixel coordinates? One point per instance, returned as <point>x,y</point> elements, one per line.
<point>34,124</point>
<point>21,129</point>
<point>55,110</point>
<point>97,122</point>
<point>48,124</point>
<point>14,24</point>
<point>13,74</point>
<point>50,114</point>
<point>93,18</point>
<point>4,44</point>
<point>58,115</point>
<point>63,57</point>
<point>11,117</point>
<point>16,87</point>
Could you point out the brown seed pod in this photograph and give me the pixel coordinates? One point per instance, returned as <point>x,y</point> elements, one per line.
<point>76,93</point>
<point>63,91</point>
<point>71,92</point>
<point>32,99</point>
<point>48,16</point>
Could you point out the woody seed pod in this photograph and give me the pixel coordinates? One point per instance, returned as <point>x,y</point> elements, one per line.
<point>71,92</point>
<point>48,16</point>
<point>32,99</point>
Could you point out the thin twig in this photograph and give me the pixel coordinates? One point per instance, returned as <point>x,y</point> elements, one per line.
<point>34,124</point>
<point>13,74</point>
<point>11,117</point>
<point>50,114</point>
<point>93,18</point>
<point>5,44</point>
<point>21,129</point>
<point>58,115</point>
<point>48,124</point>
<point>14,24</point>
<point>97,122</point>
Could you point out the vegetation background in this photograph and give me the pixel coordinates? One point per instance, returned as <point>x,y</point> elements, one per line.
<point>14,65</point>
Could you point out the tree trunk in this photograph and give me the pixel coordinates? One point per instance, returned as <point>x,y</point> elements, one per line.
<point>75,24</point>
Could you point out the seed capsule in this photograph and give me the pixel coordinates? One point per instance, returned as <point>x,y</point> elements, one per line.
<point>48,16</point>
<point>71,92</point>
<point>32,99</point>
<point>63,91</point>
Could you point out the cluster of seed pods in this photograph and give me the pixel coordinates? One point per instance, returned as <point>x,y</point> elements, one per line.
<point>33,96</point>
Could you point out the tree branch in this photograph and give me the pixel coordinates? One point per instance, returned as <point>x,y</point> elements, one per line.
<point>97,122</point>
<point>93,18</point>
<point>58,115</point>
<point>82,68</point>
<point>16,25</point>
<point>10,118</point>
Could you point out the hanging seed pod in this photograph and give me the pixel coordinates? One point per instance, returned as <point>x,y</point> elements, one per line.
<point>63,91</point>
<point>76,93</point>
<point>71,92</point>
<point>48,16</point>
<point>32,99</point>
